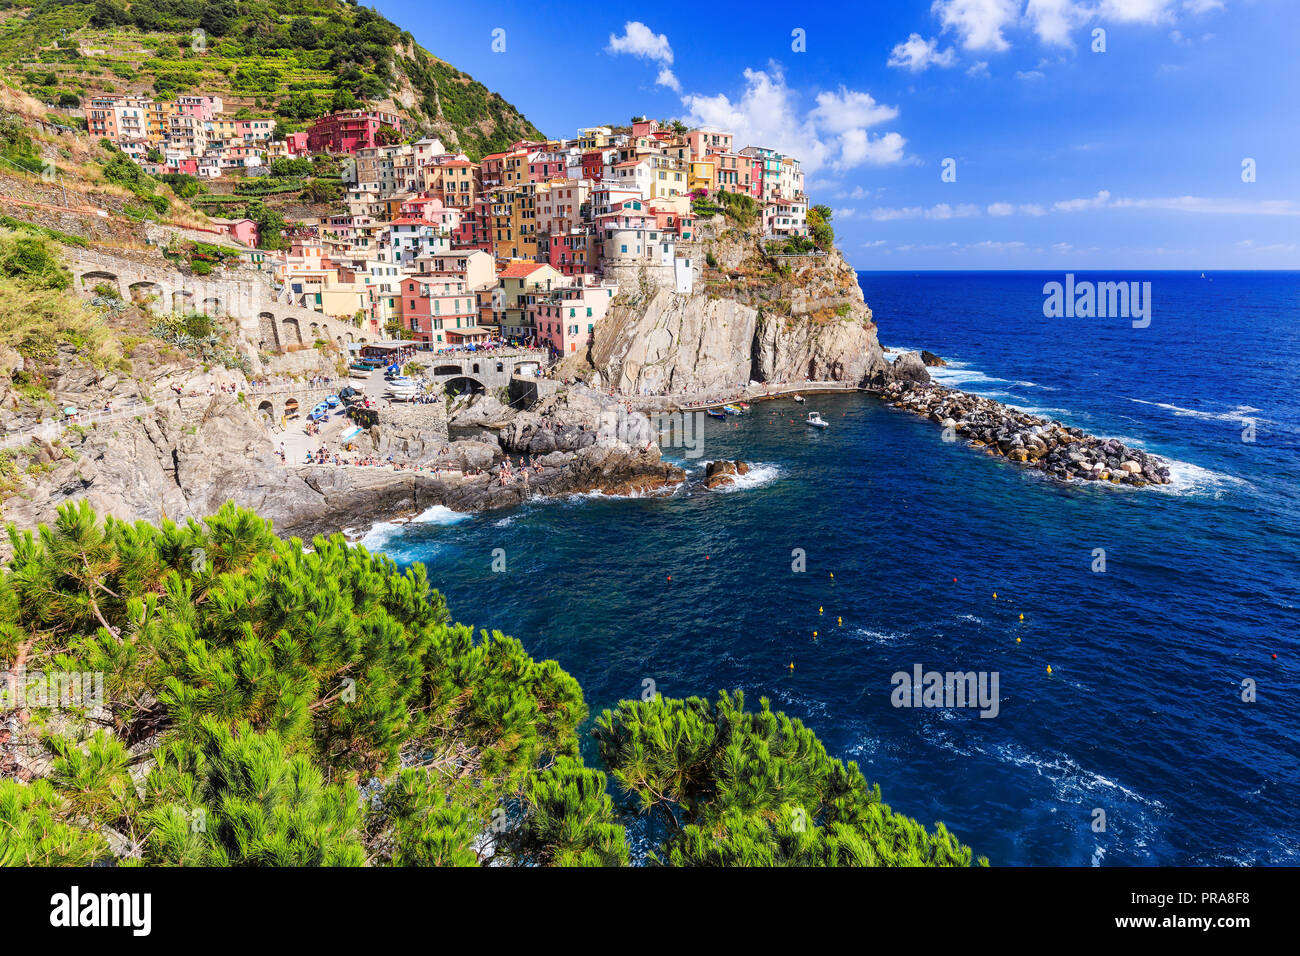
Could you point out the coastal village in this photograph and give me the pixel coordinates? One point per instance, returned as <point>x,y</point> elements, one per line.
<point>527,246</point>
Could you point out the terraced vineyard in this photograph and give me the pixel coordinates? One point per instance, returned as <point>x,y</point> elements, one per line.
<point>290,60</point>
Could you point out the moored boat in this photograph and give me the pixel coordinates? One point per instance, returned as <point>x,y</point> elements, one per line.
<point>816,421</point>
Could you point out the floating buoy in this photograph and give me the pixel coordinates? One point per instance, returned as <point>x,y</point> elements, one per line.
<point>820,610</point>
<point>954,580</point>
<point>1049,668</point>
<point>832,575</point>
<point>814,635</point>
<point>995,595</point>
<point>840,620</point>
<point>1274,657</point>
<point>792,665</point>
<point>670,577</point>
<point>706,557</point>
<point>1022,617</point>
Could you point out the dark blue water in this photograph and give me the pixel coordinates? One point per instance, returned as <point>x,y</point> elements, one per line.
<point>1142,716</point>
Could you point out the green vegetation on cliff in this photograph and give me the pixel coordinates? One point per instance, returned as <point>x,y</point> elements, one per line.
<point>266,705</point>
<point>292,59</point>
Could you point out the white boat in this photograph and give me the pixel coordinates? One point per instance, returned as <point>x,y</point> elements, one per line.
<point>799,399</point>
<point>816,421</point>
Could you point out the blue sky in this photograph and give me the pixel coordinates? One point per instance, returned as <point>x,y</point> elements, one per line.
<point>1064,157</point>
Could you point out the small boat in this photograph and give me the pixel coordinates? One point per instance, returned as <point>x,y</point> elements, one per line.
<point>799,399</point>
<point>731,409</point>
<point>816,421</point>
<point>358,372</point>
<point>332,401</point>
<point>715,413</point>
<point>744,405</point>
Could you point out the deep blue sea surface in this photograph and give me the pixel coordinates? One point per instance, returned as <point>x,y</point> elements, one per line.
<point>1142,716</point>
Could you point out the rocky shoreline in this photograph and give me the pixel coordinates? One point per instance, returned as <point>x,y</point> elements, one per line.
<point>1057,450</point>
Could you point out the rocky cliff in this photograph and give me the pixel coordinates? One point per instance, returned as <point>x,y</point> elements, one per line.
<point>758,318</point>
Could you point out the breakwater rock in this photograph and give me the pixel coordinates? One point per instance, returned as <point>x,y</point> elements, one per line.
<point>1030,440</point>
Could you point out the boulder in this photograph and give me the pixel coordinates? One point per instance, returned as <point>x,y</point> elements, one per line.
<point>908,367</point>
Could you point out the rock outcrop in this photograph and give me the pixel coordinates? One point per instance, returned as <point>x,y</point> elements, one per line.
<point>908,367</point>
<point>1057,450</point>
<point>723,472</point>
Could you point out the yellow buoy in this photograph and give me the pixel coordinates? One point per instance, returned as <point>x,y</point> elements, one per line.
<point>814,633</point>
<point>839,620</point>
<point>1017,640</point>
<point>832,575</point>
<point>995,595</point>
<point>1022,617</point>
<point>819,610</point>
<point>1049,668</point>
<point>792,665</point>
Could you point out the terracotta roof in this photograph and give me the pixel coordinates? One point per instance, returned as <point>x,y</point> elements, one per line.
<point>519,270</point>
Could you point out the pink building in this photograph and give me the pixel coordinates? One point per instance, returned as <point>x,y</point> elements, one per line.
<point>241,230</point>
<point>565,319</point>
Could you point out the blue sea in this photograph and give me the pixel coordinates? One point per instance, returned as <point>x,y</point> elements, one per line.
<point>925,552</point>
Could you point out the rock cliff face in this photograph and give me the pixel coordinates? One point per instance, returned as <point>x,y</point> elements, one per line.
<point>805,322</point>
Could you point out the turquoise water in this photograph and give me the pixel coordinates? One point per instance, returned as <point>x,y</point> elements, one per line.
<point>1142,716</point>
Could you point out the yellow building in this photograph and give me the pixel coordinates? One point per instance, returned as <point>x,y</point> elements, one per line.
<point>704,175</point>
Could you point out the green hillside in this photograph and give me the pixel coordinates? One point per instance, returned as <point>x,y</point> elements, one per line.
<point>291,59</point>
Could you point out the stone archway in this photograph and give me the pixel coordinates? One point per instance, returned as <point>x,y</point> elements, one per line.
<point>182,300</point>
<point>292,331</point>
<point>145,291</point>
<point>447,370</point>
<point>463,383</point>
<point>291,408</point>
<point>266,412</point>
<point>270,333</point>
<point>212,306</point>
<point>89,280</point>
<point>315,332</point>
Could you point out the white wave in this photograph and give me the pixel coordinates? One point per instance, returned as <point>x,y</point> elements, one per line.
<point>756,477</point>
<point>873,636</point>
<point>1188,479</point>
<point>382,533</point>
<point>503,523</point>
<point>1235,415</point>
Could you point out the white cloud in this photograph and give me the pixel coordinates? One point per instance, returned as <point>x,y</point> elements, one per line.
<point>639,40</point>
<point>1001,209</point>
<point>917,54</point>
<point>669,79</point>
<point>1054,19</point>
<point>1029,75</point>
<point>849,109</point>
<point>940,211</point>
<point>979,22</point>
<point>983,24</point>
<point>1136,11</point>
<point>1078,205</point>
<point>857,149</point>
<point>980,68</point>
<point>833,134</point>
